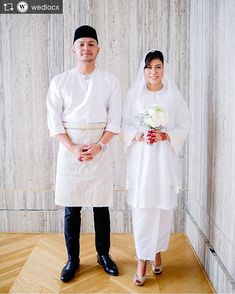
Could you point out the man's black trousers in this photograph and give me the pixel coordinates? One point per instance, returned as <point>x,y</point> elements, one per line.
<point>72,224</point>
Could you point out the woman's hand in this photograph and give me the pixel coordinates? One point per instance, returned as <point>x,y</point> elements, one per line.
<point>154,136</point>
<point>139,137</point>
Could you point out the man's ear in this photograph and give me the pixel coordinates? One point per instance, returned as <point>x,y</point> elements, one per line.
<point>73,50</point>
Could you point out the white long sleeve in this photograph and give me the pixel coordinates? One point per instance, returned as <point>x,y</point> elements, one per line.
<point>84,99</point>
<point>114,109</point>
<point>180,130</point>
<point>129,130</point>
<point>54,110</point>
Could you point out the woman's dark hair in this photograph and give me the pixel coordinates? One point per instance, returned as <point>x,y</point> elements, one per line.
<point>153,55</point>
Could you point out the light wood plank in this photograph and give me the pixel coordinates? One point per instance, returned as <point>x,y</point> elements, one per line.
<point>14,251</point>
<point>182,272</point>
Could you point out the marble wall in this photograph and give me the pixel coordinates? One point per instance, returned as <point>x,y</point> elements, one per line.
<point>34,48</point>
<point>210,218</point>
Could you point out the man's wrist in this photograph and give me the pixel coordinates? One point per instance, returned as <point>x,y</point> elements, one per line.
<point>71,147</point>
<point>103,146</point>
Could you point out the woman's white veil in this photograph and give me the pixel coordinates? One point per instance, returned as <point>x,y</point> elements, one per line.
<point>139,86</point>
<point>136,94</point>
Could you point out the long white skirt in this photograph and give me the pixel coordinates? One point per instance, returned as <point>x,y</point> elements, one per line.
<point>151,229</point>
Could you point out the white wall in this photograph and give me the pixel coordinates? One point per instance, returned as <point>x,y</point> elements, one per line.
<point>210,218</point>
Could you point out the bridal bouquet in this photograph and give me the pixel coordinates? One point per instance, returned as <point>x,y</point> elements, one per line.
<point>155,117</point>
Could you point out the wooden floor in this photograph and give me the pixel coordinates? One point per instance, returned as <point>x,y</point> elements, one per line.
<point>31,263</point>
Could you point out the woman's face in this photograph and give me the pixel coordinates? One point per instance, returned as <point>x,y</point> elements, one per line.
<point>154,74</point>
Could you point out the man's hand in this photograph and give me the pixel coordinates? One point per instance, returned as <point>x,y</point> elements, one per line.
<point>80,151</point>
<point>92,151</point>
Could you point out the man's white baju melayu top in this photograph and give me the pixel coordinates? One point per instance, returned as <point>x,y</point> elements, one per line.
<point>153,170</point>
<point>84,106</point>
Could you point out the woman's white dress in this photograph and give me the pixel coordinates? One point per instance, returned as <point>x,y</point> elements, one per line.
<point>153,180</point>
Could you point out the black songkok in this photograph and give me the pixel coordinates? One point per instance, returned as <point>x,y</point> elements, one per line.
<point>85,32</point>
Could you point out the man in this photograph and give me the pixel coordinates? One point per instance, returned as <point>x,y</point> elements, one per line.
<point>84,113</point>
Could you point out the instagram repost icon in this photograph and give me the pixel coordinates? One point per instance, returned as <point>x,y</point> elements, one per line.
<point>22,6</point>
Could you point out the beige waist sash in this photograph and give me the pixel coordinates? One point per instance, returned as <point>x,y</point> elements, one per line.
<point>84,126</point>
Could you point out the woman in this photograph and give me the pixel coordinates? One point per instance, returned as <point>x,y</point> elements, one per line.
<point>155,126</point>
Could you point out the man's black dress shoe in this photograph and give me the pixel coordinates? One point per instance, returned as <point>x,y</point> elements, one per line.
<point>108,265</point>
<point>68,271</point>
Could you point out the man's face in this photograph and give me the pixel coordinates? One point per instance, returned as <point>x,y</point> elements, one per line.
<point>86,49</point>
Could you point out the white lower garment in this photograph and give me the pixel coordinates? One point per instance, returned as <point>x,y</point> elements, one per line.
<point>151,229</point>
<point>87,183</point>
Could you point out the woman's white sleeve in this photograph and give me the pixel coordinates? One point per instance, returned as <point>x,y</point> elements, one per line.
<point>129,130</point>
<point>179,133</point>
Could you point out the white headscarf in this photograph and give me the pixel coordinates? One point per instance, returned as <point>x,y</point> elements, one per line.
<point>138,88</point>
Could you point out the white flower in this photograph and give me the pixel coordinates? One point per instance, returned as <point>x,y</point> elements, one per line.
<point>154,117</point>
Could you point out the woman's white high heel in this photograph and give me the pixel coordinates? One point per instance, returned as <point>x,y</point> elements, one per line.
<point>139,280</point>
<point>156,269</point>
